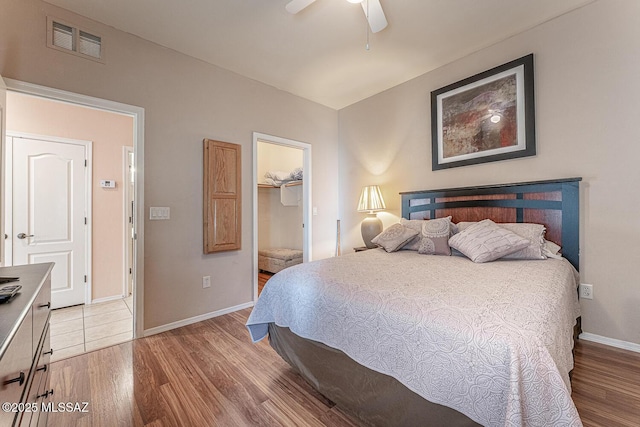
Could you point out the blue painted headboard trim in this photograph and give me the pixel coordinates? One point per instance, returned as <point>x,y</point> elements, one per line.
<point>432,205</point>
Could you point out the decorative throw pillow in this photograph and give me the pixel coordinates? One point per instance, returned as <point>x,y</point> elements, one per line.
<point>394,237</point>
<point>416,224</point>
<point>434,237</point>
<point>485,241</point>
<point>532,232</point>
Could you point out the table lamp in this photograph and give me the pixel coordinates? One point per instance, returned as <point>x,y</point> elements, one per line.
<point>371,201</point>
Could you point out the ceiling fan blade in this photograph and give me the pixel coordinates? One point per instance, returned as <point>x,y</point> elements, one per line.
<point>295,6</point>
<point>375,15</point>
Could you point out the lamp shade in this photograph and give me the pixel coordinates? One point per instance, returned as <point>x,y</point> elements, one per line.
<point>371,199</point>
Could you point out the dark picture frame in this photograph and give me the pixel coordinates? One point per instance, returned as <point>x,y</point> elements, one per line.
<point>485,118</point>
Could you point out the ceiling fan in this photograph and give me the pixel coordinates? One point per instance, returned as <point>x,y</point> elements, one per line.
<point>372,10</point>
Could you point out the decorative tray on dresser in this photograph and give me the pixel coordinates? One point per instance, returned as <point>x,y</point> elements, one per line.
<point>24,347</point>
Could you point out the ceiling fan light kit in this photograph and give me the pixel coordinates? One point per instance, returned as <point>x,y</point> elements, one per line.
<point>372,10</point>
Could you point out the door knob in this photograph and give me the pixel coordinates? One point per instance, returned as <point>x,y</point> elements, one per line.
<point>24,236</point>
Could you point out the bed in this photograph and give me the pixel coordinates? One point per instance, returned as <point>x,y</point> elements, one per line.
<point>407,339</point>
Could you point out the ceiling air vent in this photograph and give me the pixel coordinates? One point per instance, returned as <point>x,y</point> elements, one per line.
<point>67,38</point>
<point>62,36</point>
<point>89,44</point>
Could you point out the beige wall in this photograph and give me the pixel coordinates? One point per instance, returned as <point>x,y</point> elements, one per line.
<point>587,109</point>
<point>185,100</point>
<point>109,132</point>
<point>279,226</point>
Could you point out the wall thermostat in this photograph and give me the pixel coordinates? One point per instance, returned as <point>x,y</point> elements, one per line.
<point>107,183</point>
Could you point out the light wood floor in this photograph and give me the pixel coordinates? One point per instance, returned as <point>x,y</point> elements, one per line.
<point>606,385</point>
<point>262,280</point>
<point>210,374</point>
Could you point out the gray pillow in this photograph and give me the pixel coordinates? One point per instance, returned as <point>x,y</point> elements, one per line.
<point>416,224</point>
<point>486,241</point>
<point>394,237</point>
<point>434,237</point>
<point>533,232</point>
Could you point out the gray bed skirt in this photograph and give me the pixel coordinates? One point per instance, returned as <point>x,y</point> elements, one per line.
<point>374,398</point>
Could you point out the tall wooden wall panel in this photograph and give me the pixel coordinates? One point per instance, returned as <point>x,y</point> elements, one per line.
<point>222,182</point>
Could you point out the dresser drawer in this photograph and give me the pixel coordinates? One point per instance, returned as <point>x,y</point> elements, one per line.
<point>41,308</point>
<point>15,366</point>
<point>39,390</point>
<point>45,396</point>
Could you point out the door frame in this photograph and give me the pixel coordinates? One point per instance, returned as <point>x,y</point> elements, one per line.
<point>125,204</point>
<point>88,192</point>
<point>306,197</point>
<point>137,113</point>
<point>3,101</point>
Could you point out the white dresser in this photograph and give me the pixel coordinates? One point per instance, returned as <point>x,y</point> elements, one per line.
<point>24,347</point>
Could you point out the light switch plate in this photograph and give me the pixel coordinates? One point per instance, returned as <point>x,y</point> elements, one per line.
<point>156,213</point>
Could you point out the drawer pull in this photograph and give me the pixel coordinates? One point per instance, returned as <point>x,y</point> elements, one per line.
<point>45,394</point>
<point>42,368</point>
<point>47,305</point>
<point>49,352</point>
<point>19,379</point>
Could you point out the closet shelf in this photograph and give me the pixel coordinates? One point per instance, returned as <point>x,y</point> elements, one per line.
<point>288,184</point>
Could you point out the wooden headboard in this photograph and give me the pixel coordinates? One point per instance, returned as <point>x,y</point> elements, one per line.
<point>553,203</point>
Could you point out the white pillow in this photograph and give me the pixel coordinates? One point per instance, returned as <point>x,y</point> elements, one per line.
<point>551,250</point>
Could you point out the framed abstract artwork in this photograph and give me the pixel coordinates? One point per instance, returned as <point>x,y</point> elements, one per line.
<point>485,118</point>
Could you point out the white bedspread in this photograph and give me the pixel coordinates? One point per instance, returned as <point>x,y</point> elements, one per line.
<point>492,341</point>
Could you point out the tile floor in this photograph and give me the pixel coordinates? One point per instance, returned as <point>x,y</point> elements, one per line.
<point>76,330</point>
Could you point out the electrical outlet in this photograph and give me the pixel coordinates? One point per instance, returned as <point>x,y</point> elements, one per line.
<point>206,282</point>
<point>586,291</point>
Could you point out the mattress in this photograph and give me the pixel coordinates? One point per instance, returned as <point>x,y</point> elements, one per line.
<point>492,341</point>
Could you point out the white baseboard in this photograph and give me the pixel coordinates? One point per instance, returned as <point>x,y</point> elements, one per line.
<point>196,319</point>
<point>106,299</point>
<point>610,342</point>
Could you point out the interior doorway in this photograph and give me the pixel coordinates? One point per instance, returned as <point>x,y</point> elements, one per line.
<point>282,205</point>
<point>132,283</point>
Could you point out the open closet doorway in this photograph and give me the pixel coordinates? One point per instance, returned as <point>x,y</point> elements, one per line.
<point>76,153</point>
<point>282,205</point>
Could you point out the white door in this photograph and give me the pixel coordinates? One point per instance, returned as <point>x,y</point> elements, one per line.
<point>49,208</point>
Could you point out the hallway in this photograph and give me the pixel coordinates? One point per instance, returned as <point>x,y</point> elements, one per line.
<point>79,329</point>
